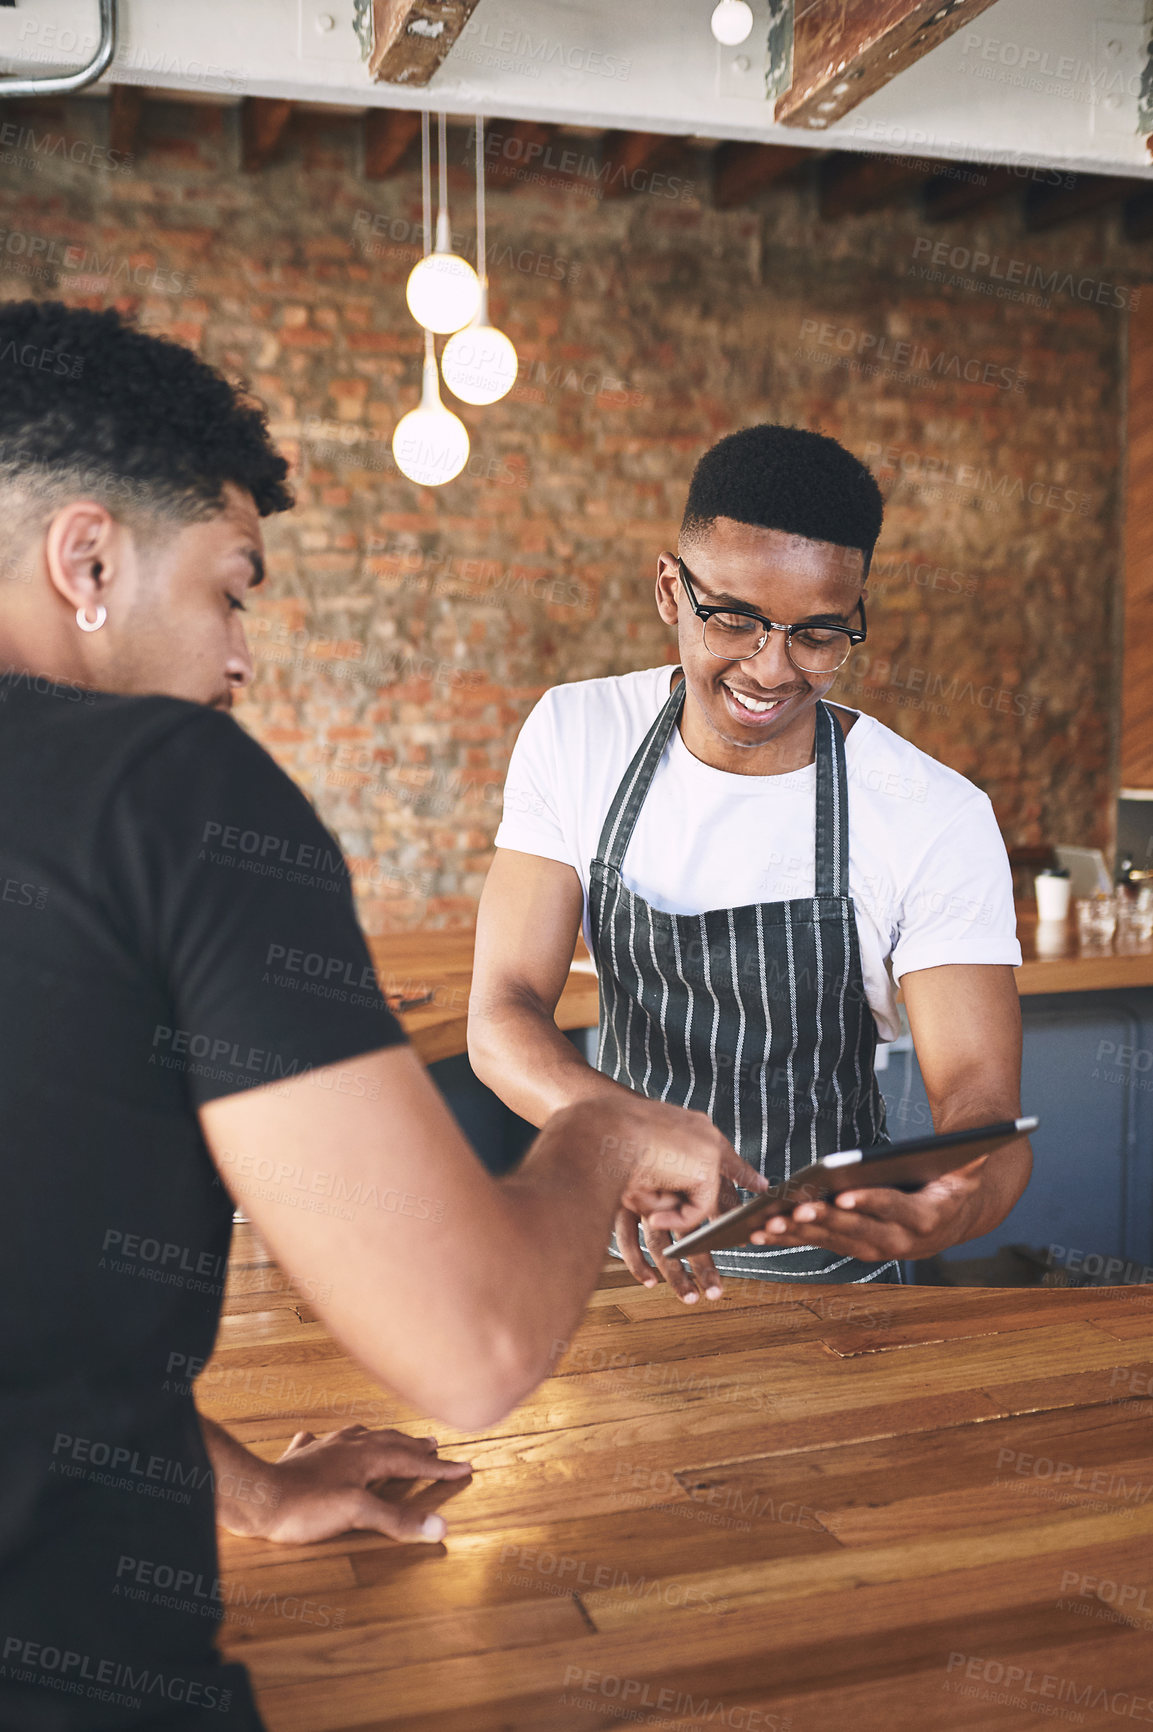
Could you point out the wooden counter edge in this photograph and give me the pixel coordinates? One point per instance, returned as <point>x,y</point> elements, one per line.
<point>1076,973</point>
<point>440,1033</point>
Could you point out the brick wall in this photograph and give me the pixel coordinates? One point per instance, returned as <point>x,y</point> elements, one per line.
<point>407,632</point>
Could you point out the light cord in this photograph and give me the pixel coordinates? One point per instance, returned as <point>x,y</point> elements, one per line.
<point>426,180</point>
<point>481,248</point>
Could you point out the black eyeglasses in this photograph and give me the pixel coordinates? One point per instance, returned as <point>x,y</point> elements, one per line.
<point>734,634</point>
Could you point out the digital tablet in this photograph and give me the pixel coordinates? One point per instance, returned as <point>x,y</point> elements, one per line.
<point>903,1166</point>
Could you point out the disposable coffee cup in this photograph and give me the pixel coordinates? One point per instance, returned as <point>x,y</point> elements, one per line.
<point>1052,896</point>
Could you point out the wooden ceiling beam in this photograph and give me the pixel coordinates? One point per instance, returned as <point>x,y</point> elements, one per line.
<point>388,135</point>
<point>958,191</point>
<point>124,111</point>
<point>1137,215</point>
<point>1047,207</point>
<point>741,171</point>
<point>630,159</point>
<point>513,147</point>
<point>411,38</point>
<point>852,181</point>
<point>262,123</point>
<point>844,50</point>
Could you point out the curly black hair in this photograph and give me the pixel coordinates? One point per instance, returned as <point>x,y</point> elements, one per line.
<point>790,479</point>
<point>138,420</point>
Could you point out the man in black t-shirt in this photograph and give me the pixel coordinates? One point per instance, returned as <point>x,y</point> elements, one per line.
<point>157,870</point>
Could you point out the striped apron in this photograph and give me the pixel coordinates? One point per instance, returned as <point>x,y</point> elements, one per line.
<point>756,1016</point>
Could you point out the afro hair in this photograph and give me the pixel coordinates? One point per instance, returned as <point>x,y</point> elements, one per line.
<point>789,479</point>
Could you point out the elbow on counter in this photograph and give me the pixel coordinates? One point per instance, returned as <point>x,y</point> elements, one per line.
<point>491,1364</point>
<point>478,1402</point>
<point>519,1353</point>
<point>475,1411</point>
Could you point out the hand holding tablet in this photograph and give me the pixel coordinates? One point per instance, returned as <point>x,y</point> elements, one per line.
<point>905,1166</point>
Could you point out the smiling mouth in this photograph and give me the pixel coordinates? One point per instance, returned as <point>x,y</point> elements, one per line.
<point>758,709</point>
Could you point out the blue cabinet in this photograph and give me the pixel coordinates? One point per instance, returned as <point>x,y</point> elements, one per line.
<point>499,1136</point>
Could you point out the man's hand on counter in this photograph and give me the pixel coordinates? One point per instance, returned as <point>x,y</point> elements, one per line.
<point>319,1487</point>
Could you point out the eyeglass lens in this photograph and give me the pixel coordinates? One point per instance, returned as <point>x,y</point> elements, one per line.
<point>816,650</point>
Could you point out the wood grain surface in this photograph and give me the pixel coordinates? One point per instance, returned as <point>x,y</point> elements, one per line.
<point>412,964</point>
<point>844,50</point>
<point>868,1506</point>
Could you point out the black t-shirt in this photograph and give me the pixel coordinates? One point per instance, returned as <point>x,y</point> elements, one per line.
<point>175,924</point>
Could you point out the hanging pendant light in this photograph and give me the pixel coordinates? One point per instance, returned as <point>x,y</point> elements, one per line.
<point>443,289</point>
<point>479,364</point>
<point>430,443</point>
<point>732,21</point>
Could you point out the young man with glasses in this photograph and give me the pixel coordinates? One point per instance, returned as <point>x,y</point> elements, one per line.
<point>756,869</point>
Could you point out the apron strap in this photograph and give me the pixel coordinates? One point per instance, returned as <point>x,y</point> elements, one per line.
<point>634,785</point>
<point>831,873</point>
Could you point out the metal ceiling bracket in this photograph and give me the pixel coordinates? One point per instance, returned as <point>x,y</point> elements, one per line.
<point>363,25</point>
<point>69,81</point>
<point>1145,96</point>
<point>779,66</point>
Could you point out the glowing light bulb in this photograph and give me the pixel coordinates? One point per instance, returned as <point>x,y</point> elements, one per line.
<point>430,443</point>
<point>732,21</point>
<point>479,364</point>
<point>443,289</point>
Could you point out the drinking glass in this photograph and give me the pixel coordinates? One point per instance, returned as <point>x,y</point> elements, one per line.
<point>1096,919</point>
<point>1134,914</point>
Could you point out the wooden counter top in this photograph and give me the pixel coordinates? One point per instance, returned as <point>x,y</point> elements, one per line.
<point>852,1506</point>
<point>440,963</point>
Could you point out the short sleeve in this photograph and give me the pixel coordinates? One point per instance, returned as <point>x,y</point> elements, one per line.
<point>958,903</point>
<point>220,873</point>
<point>530,821</point>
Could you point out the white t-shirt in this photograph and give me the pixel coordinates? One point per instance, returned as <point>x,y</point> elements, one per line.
<point>928,871</point>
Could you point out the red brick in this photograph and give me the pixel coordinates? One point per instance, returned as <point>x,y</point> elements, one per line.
<point>283,296</point>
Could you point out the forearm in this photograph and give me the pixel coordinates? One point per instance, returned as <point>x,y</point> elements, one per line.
<point>585,1155</point>
<point>498,1280</point>
<point>966,1027</point>
<point>1005,1174</point>
<point>518,1051</point>
<point>457,1306</point>
<point>1003,1179</point>
<point>244,1490</point>
<point>558,1209</point>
